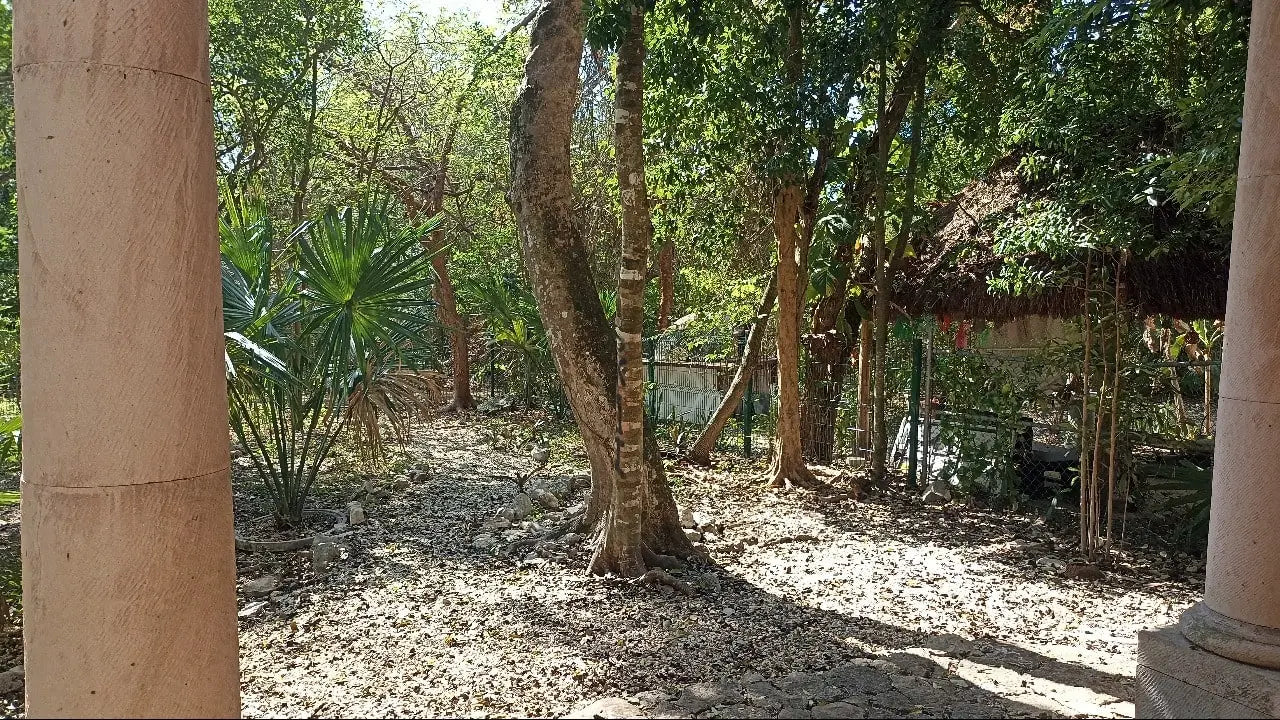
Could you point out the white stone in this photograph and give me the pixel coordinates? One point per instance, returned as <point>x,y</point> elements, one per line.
<point>484,541</point>
<point>355,513</point>
<point>686,518</point>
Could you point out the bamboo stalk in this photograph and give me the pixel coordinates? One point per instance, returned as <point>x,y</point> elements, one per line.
<point>1115,395</point>
<point>1084,406</point>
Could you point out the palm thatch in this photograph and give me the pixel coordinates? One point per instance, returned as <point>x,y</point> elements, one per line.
<point>951,275</point>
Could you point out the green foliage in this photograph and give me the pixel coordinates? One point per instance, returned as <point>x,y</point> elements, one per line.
<point>509,312</point>
<point>1190,486</point>
<point>318,336</point>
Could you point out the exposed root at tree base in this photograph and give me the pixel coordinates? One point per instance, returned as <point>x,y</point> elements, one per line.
<point>796,477</point>
<point>666,562</point>
<point>574,522</point>
<point>662,577</point>
<point>698,459</point>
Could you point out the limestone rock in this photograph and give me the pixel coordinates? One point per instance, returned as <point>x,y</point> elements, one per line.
<point>546,499</point>
<point>522,504</point>
<point>949,644</point>
<point>686,519</point>
<point>401,483</point>
<point>261,587</point>
<point>507,513</point>
<point>484,541</point>
<point>324,553</point>
<point>832,711</point>
<point>559,486</point>
<point>938,493</point>
<point>251,609</point>
<point>693,535</point>
<point>11,680</point>
<point>355,513</point>
<point>611,707</point>
<point>498,523</point>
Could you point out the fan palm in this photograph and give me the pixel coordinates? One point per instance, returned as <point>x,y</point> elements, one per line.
<point>316,337</point>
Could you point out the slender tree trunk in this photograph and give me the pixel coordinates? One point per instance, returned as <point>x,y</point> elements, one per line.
<point>459,345</point>
<point>666,284</point>
<point>700,453</point>
<point>1084,407</point>
<point>788,464</point>
<point>860,187</point>
<point>559,267</point>
<point>304,175</point>
<point>1115,403</point>
<point>619,550</point>
<point>865,342</point>
<point>879,441</point>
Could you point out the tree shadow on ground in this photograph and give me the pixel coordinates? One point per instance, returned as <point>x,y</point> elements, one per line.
<point>743,652</point>
<point>420,620</point>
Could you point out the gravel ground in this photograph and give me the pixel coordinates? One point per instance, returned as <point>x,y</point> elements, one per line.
<point>416,620</point>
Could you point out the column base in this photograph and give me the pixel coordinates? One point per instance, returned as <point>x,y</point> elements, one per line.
<point>1177,679</point>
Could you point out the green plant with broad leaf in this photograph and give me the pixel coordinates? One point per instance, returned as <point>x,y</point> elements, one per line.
<point>319,326</point>
<point>510,314</point>
<point>1189,485</point>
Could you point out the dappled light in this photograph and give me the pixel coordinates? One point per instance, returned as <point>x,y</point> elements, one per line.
<point>714,359</point>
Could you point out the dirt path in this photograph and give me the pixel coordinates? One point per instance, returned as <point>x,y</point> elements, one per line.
<point>959,610</point>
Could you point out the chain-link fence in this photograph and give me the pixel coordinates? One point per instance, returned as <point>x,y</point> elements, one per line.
<point>992,410</point>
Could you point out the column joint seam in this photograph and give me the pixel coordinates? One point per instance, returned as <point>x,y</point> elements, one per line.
<point>115,66</point>
<point>224,469</point>
<point>1248,400</point>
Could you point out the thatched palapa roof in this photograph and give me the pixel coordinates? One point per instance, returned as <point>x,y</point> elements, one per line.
<point>950,275</point>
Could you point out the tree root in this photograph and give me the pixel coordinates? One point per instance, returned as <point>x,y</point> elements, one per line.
<point>658,560</point>
<point>559,531</point>
<point>657,576</point>
<point>692,458</point>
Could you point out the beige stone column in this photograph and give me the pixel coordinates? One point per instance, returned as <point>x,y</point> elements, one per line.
<point>128,561</point>
<point>1241,610</point>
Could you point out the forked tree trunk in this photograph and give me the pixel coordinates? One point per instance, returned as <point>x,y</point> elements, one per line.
<point>559,268</point>
<point>859,189</point>
<point>700,453</point>
<point>666,284</point>
<point>619,550</point>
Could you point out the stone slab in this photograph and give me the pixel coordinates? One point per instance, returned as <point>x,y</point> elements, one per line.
<point>1176,679</point>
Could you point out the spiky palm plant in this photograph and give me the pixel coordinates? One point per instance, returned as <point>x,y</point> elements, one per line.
<point>316,331</point>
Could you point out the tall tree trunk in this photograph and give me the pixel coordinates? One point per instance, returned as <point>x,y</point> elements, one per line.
<point>304,174</point>
<point>666,284</point>
<point>559,268</point>
<point>700,453</point>
<point>788,463</point>
<point>880,319</point>
<point>619,550</point>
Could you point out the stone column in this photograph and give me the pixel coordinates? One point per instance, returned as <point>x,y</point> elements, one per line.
<point>1237,624</point>
<point>128,559</point>
<point>1241,608</point>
